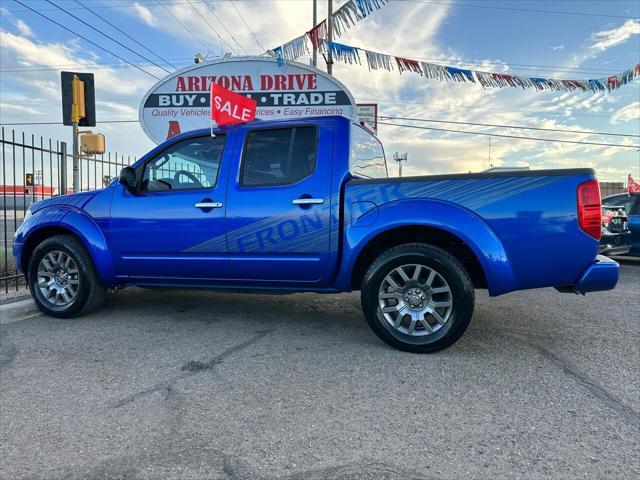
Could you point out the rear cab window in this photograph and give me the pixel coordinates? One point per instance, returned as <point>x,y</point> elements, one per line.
<point>279,156</point>
<point>366,155</point>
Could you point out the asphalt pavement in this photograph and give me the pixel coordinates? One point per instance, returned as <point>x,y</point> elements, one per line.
<point>203,385</point>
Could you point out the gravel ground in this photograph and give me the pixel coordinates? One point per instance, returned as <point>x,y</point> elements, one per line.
<point>203,385</point>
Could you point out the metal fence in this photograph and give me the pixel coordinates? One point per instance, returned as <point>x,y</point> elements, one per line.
<point>35,168</point>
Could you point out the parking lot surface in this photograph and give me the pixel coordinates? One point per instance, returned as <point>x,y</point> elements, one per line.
<point>206,385</point>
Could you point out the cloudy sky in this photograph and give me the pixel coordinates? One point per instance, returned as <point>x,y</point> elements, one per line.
<point>559,39</point>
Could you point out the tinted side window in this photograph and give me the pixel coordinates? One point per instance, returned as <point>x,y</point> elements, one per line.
<point>279,156</point>
<point>189,164</point>
<point>366,157</point>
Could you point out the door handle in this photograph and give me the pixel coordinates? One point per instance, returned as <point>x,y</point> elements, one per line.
<point>308,201</point>
<point>208,205</point>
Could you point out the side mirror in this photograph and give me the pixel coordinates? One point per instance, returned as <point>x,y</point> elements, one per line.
<point>128,179</point>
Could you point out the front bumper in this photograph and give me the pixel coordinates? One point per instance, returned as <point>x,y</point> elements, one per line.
<point>602,274</point>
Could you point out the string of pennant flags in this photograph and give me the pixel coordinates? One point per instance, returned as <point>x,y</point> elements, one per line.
<point>355,10</point>
<point>342,19</point>
<point>380,61</point>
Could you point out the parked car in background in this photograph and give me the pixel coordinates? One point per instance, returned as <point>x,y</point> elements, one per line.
<point>307,206</point>
<point>631,206</point>
<point>616,236</point>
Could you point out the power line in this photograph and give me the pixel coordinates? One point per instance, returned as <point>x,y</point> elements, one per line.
<point>183,26</point>
<point>86,39</point>
<point>262,49</point>
<point>203,18</point>
<point>37,68</point>
<point>528,10</point>
<point>94,66</point>
<point>60,123</point>
<point>492,125</point>
<point>552,140</point>
<point>126,34</point>
<point>480,107</point>
<point>150,3</point>
<point>107,36</point>
<point>210,8</point>
<point>128,4</point>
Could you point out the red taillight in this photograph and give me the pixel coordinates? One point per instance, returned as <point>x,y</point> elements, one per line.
<point>589,208</point>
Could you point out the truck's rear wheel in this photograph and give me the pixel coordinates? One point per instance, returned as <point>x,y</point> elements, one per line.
<point>417,298</point>
<point>62,278</point>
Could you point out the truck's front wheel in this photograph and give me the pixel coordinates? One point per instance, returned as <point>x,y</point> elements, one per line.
<point>417,298</point>
<point>62,278</point>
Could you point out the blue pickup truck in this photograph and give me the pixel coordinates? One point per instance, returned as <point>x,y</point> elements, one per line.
<point>307,206</point>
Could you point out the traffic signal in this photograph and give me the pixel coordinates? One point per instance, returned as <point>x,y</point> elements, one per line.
<point>78,90</point>
<point>28,179</point>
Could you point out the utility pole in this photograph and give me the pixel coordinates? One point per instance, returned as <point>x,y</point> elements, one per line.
<point>399,158</point>
<point>330,36</point>
<point>314,58</point>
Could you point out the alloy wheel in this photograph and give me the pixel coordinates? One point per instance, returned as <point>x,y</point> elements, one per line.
<point>415,300</point>
<point>58,278</point>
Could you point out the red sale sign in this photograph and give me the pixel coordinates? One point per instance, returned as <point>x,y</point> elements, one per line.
<point>228,107</point>
<point>633,186</point>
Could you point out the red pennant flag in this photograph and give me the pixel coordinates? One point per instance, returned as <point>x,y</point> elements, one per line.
<point>228,107</point>
<point>633,187</point>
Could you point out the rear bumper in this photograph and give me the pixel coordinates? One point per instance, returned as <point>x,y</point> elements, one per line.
<point>602,274</point>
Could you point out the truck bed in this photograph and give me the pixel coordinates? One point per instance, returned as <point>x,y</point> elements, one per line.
<point>522,225</point>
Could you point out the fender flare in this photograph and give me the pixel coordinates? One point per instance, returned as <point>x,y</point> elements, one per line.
<point>82,225</point>
<point>454,219</point>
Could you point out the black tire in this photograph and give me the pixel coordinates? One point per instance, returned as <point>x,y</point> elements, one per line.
<point>90,293</point>
<point>448,267</point>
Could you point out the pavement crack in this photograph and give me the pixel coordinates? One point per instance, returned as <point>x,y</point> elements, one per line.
<point>597,390</point>
<point>167,385</point>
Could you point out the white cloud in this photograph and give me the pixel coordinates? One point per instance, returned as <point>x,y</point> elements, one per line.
<point>25,51</point>
<point>23,28</point>
<point>627,113</point>
<point>18,108</point>
<point>144,14</point>
<point>610,38</point>
<point>555,48</point>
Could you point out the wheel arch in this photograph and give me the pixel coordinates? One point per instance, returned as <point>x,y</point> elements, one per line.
<point>451,227</point>
<point>68,221</point>
<point>418,234</point>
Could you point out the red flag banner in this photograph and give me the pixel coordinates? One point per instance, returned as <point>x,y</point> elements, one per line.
<point>633,187</point>
<point>228,107</point>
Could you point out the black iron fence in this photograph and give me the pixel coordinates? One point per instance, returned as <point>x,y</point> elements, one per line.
<point>35,168</point>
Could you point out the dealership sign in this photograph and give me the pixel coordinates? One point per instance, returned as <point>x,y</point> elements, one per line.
<point>182,101</point>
